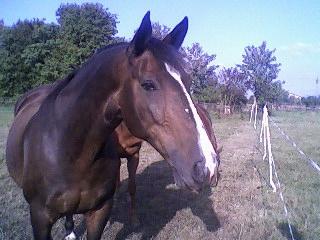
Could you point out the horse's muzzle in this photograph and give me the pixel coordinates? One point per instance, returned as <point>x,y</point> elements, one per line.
<point>201,174</point>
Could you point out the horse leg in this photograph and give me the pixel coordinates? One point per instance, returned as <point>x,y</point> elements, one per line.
<point>97,219</point>
<point>118,180</point>
<point>69,226</point>
<point>41,222</point>
<point>132,166</point>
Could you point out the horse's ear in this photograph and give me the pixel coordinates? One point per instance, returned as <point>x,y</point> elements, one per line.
<point>177,35</point>
<point>141,37</point>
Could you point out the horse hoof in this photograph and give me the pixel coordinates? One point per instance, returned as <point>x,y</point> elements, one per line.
<point>71,236</point>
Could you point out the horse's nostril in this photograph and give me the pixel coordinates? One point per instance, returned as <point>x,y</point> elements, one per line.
<point>200,172</point>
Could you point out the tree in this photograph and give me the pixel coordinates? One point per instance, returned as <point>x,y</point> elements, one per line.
<point>14,73</point>
<point>3,57</point>
<point>159,31</point>
<point>85,28</point>
<point>311,101</point>
<point>209,94</point>
<point>276,93</point>
<point>201,68</point>
<point>233,87</point>
<point>261,69</point>
<point>33,52</point>
<point>37,56</point>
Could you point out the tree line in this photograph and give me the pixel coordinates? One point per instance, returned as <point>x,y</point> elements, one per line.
<point>33,52</point>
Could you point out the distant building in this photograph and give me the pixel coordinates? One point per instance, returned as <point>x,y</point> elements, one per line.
<point>295,96</point>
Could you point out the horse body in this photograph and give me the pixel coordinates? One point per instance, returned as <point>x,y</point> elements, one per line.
<point>27,106</point>
<point>127,145</point>
<point>57,170</point>
<point>62,151</point>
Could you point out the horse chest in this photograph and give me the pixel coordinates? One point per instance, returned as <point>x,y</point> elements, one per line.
<point>88,190</point>
<point>79,199</point>
<point>93,198</point>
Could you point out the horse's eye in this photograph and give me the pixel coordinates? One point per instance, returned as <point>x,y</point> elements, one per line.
<point>149,85</point>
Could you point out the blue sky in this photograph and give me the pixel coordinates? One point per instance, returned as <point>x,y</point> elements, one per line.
<point>223,28</point>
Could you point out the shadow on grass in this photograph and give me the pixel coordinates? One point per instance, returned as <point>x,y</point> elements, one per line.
<point>285,231</point>
<point>157,204</point>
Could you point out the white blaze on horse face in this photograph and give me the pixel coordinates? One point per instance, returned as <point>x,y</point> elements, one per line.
<point>203,140</point>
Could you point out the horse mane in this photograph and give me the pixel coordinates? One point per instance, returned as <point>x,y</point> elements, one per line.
<point>204,111</point>
<point>21,100</point>
<point>166,53</point>
<point>59,85</point>
<point>99,50</point>
<point>160,50</point>
<point>64,82</point>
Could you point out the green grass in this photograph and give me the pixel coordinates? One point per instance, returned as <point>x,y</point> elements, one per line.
<point>300,182</point>
<point>304,129</point>
<point>226,126</point>
<point>6,115</point>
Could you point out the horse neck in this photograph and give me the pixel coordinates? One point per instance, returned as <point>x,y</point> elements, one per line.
<point>77,110</point>
<point>93,86</point>
<point>78,107</point>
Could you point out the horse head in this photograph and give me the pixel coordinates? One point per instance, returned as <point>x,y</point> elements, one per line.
<point>156,105</point>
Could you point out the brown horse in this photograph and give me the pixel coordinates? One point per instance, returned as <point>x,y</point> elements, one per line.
<point>62,153</point>
<point>128,146</point>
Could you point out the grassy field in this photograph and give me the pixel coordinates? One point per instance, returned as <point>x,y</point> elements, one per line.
<point>242,206</point>
<point>301,183</point>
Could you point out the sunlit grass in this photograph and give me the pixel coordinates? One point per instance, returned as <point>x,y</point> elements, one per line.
<point>6,115</point>
<point>300,182</point>
<point>226,126</point>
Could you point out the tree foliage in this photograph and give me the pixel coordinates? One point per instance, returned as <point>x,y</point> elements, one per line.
<point>159,31</point>
<point>233,87</point>
<point>261,68</point>
<point>311,101</point>
<point>201,68</point>
<point>18,54</point>
<point>33,52</point>
<point>85,28</point>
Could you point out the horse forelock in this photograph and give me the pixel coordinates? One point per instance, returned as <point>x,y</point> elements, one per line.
<point>166,54</point>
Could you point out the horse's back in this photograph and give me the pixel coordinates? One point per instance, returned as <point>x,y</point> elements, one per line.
<point>25,108</point>
<point>35,94</point>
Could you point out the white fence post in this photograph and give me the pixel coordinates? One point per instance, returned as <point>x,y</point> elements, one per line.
<point>254,108</point>
<point>265,131</point>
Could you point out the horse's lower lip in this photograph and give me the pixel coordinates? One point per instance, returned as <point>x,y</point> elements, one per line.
<point>177,178</point>
<point>180,182</point>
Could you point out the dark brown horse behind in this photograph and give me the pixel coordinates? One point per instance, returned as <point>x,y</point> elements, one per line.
<point>62,152</point>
